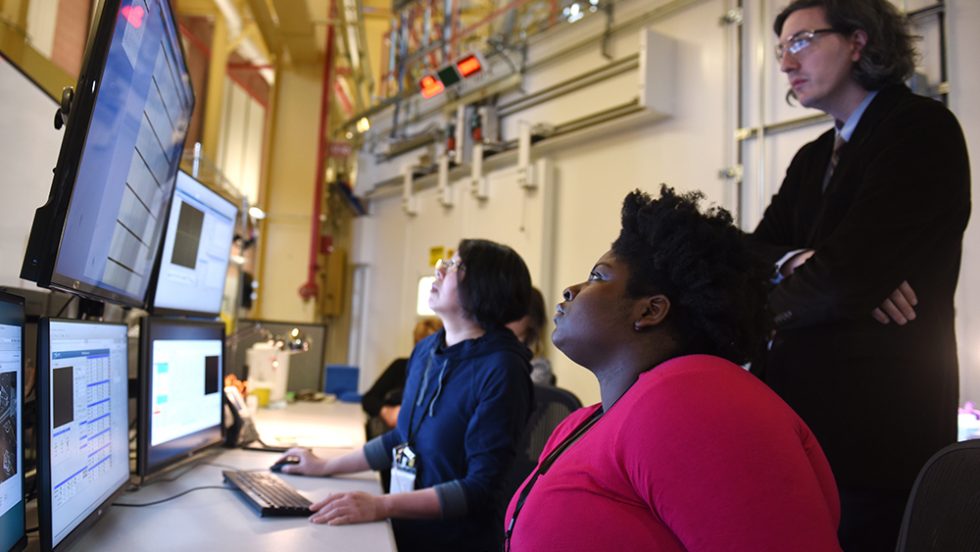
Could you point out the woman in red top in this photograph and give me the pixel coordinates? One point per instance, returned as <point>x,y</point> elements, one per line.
<point>686,451</point>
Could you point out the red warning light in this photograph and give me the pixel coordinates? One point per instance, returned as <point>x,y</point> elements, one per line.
<point>469,65</point>
<point>430,86</point>
<point>133,14</point>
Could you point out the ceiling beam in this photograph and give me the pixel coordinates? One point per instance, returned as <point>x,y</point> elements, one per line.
<point>196,8</point>
<point>263,16</point>
<point>296,30</point>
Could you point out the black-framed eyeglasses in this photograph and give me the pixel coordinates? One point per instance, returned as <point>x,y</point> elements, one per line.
<point>799,42</point>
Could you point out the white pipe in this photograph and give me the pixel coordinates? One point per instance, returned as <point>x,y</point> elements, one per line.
<point>246,48</point>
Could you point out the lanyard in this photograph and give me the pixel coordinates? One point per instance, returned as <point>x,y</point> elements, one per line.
<point>419,394</point>
<point>545,465</point>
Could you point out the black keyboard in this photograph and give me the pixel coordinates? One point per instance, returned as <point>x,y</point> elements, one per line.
<point>269,495</point>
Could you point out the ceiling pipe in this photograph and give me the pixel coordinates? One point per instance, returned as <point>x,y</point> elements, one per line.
<point>310,288</point>
<point>246,48</point>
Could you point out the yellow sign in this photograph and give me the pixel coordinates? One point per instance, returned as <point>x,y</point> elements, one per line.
<point>436,253</point>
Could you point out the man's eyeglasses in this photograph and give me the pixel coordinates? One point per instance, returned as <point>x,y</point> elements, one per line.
<point>445,266</point>
<point>799,42</point>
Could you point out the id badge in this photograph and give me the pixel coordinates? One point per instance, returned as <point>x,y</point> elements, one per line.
<point>403,469</point>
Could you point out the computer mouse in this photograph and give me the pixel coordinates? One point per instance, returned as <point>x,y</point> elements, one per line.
<point>277,467</point>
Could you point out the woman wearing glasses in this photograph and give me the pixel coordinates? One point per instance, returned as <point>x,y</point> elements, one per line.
<point>466,401</point>
<point>686,451</point>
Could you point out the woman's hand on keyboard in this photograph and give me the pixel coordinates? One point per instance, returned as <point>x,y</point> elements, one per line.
<point>345,508</point>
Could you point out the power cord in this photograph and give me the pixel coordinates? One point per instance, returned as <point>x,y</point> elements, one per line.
<point>178,495</point>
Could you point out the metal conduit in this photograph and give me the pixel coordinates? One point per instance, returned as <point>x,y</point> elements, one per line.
<point>639,20</point>
<point>568,86</point>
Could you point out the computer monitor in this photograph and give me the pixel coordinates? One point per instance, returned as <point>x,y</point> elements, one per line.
<point>99,232</point>
<point>196,248</point>
<point>12,535</point>
<point>83,425</point>
<point>181,370</point>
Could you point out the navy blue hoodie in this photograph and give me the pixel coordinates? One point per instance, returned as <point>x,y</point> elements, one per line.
<point>467,406</point>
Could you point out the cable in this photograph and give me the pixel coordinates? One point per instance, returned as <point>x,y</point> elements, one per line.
<point>265,447</point>
<point>229,466</point>
<point>31,530</point>
<point>176,474</point>
<point>178,495</point>
<point>65,306</point>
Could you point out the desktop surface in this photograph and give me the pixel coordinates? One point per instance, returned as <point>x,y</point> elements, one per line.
<point>219,519</point>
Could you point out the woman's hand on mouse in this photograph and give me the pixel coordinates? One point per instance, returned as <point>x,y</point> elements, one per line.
<point>308,464</point>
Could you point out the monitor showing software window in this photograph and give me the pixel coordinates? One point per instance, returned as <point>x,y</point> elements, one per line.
<point>83,424</point>
<point>196,249</point>
<point>12,535</point>
<point>180,407</point>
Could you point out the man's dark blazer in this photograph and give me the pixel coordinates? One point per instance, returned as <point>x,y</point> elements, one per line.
<point>880,398</point>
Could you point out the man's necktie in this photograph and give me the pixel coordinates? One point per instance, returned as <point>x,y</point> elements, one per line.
<point>834,158</point>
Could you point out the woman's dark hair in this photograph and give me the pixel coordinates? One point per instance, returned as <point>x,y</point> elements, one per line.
<point>888,57</point>
<point>699,260</point>
<point>495,284</point>
<point>536,320</point>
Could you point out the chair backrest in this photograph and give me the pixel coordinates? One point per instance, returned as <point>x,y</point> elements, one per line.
<point>551,406</point>
<point>342,381</point>
<point>943,512</point>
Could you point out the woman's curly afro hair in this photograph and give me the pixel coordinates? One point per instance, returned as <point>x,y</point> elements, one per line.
<point>699,260</point>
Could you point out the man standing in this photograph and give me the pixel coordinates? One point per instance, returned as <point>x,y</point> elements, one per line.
<point>865,234</point>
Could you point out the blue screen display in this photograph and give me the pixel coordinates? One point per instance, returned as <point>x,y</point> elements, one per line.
<point>130,157</point>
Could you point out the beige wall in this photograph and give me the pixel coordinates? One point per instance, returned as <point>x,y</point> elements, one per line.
<point>288,195</point>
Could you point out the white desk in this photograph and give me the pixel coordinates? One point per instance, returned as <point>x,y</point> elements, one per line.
<point>217,520</point>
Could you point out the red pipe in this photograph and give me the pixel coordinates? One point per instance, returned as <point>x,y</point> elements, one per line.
<point>310,288</point>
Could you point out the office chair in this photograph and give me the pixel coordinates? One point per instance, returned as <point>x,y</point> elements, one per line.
<point>341,380</point>
<point>551,406</point>
<point>943,511</point>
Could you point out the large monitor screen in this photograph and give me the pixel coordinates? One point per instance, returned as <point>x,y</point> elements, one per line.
<point>196,248</point>
<point>83,424</point>
<point>12,535</point>
<point>99,232</point>
<point>181,372</point>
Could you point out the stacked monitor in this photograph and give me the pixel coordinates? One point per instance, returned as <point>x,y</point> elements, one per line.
<point>99,235</point>
<point>180,407</point>
<point>83,424</point>
<point>99,232</point>
<point>196,249</point>
<point>12,535</point>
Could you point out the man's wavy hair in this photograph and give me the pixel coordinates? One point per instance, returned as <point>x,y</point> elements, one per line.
<point>699,260</point>
<point>889,56</point>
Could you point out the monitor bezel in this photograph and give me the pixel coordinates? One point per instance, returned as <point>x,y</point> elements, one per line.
<point>18,302</point>
<point>43,436</point>
<point>144,468</point>
<point>151,293</point>
<point>47,230</point>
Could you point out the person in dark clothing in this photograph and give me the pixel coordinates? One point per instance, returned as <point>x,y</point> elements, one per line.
<point>529,329</point>
<point>466,402</point>
<point>865,235</point>
<point>383,400</point>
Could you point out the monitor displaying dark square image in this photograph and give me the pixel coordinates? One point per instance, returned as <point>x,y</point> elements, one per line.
<point>99,233</point>
<point>180,404</point>
<point>196,250</point>
<point>12,534</point>
<point>83,425</point>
